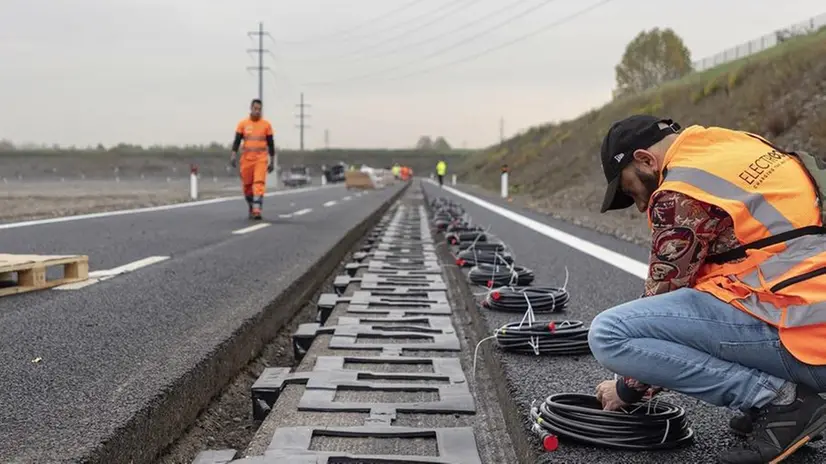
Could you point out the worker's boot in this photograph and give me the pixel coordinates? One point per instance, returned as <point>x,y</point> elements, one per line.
<point>256,207</point>
<point>249,206</point>
<point>779,430</point>
<point>743,424</point>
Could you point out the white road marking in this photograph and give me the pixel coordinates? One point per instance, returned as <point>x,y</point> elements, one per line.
<point>302,211</point>
<point>347,198</point>
<point>249,229</point>
<point>330,203</point>
<point>100,276</point>
<point>629,265</point>
<point>122,212</point>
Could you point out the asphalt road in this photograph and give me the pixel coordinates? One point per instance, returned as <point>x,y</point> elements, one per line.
<point>107,349</point>
<point>594,286</point>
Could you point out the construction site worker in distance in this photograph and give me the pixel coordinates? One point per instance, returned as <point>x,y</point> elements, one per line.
<point>257,136</point>
<point>734,309</point>
<point>441,170</point>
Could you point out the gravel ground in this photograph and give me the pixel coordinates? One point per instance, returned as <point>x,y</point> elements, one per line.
<point>27,200</point>
<point>594,286</point>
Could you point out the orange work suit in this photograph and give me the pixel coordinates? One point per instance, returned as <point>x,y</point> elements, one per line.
<point>254,162</point>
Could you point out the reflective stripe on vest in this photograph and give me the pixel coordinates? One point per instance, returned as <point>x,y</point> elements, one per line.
<point>777,284</point>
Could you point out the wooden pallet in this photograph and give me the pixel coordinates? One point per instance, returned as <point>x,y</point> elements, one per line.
<point>24,273</point>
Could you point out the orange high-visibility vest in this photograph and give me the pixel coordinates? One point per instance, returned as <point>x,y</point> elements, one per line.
<point>766,192</point>
<point>255,135</point>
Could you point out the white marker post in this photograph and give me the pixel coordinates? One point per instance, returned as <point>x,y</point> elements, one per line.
<point>504,191</point>
<point>453,180</point>
<point>193,182</point>
<point>323,179</point>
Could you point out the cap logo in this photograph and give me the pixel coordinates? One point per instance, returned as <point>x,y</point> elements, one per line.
<point>619,157</point>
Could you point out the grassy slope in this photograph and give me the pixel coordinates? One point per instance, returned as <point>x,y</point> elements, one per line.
<point>780,93</point>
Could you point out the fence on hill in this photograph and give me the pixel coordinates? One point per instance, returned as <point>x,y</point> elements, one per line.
<point>762,43</point>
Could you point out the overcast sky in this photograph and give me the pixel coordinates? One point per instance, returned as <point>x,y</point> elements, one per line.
<point>174,71</point>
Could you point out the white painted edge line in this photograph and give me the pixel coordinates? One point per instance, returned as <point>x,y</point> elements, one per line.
<point>37,222</point>
<point>330,203</point>
<point>620,261</point>
<point>249,229</point>
<point>302,211</point>
<point>100,276</point>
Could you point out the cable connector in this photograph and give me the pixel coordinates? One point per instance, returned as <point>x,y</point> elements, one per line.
<point>549,441</point>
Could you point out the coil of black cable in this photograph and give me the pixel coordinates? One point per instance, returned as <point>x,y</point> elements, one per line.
<point>488,245</point>
<point>462,227</point>
<point>560,338</point>
<point>455,238</point>
<point>653,425</point>
<point>472,257</point>
<point>498,275</point>
<point>515,299</point>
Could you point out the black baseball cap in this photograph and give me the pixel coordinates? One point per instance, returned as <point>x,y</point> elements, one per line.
<point>622,140</point>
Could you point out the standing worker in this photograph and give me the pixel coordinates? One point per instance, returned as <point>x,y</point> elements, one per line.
<point>396,170</point>
<point>257,134</point>
<point>734,309</point>
<point>441,170</point>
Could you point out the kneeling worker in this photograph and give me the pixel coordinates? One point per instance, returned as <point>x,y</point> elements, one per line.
<point>257,135</point>
<point>734,310</point>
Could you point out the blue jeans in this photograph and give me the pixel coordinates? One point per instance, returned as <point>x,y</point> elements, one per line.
<point>692,343</point>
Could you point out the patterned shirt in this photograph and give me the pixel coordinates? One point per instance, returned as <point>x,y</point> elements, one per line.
<point>684,232</point>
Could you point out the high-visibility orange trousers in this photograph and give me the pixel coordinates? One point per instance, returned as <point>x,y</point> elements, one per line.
<point>254,179</point>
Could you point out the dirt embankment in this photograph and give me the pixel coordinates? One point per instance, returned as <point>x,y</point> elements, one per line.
<point>555,168</point>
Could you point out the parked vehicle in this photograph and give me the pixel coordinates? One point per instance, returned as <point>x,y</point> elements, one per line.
<point>296,176</point>
<point>335,173</point>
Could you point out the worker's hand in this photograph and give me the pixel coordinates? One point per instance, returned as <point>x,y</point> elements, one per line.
<point>233,160</point>
<point>271,166</point>
<point>606,393</point>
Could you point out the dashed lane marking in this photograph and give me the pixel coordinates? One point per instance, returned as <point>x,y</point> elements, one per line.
<point>330,203</point>
<point>100,276</point>
<point>249,229</point>
<point>302,211</point>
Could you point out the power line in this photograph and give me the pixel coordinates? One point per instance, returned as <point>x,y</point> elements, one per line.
<point>301,119</point>
<point>357,27</point>
<point>405,33</point>
<point>521,38</point>
<point>447,33</point>
<point>260,50</point>
<point>444,49</point>
<point>486,51</point>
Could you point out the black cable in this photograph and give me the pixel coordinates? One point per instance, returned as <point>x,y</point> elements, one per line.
<point>653,425</point>
<point>515,299</point>
<point>496,275</point>
<point>561,338</point>
<point>472,257</point>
